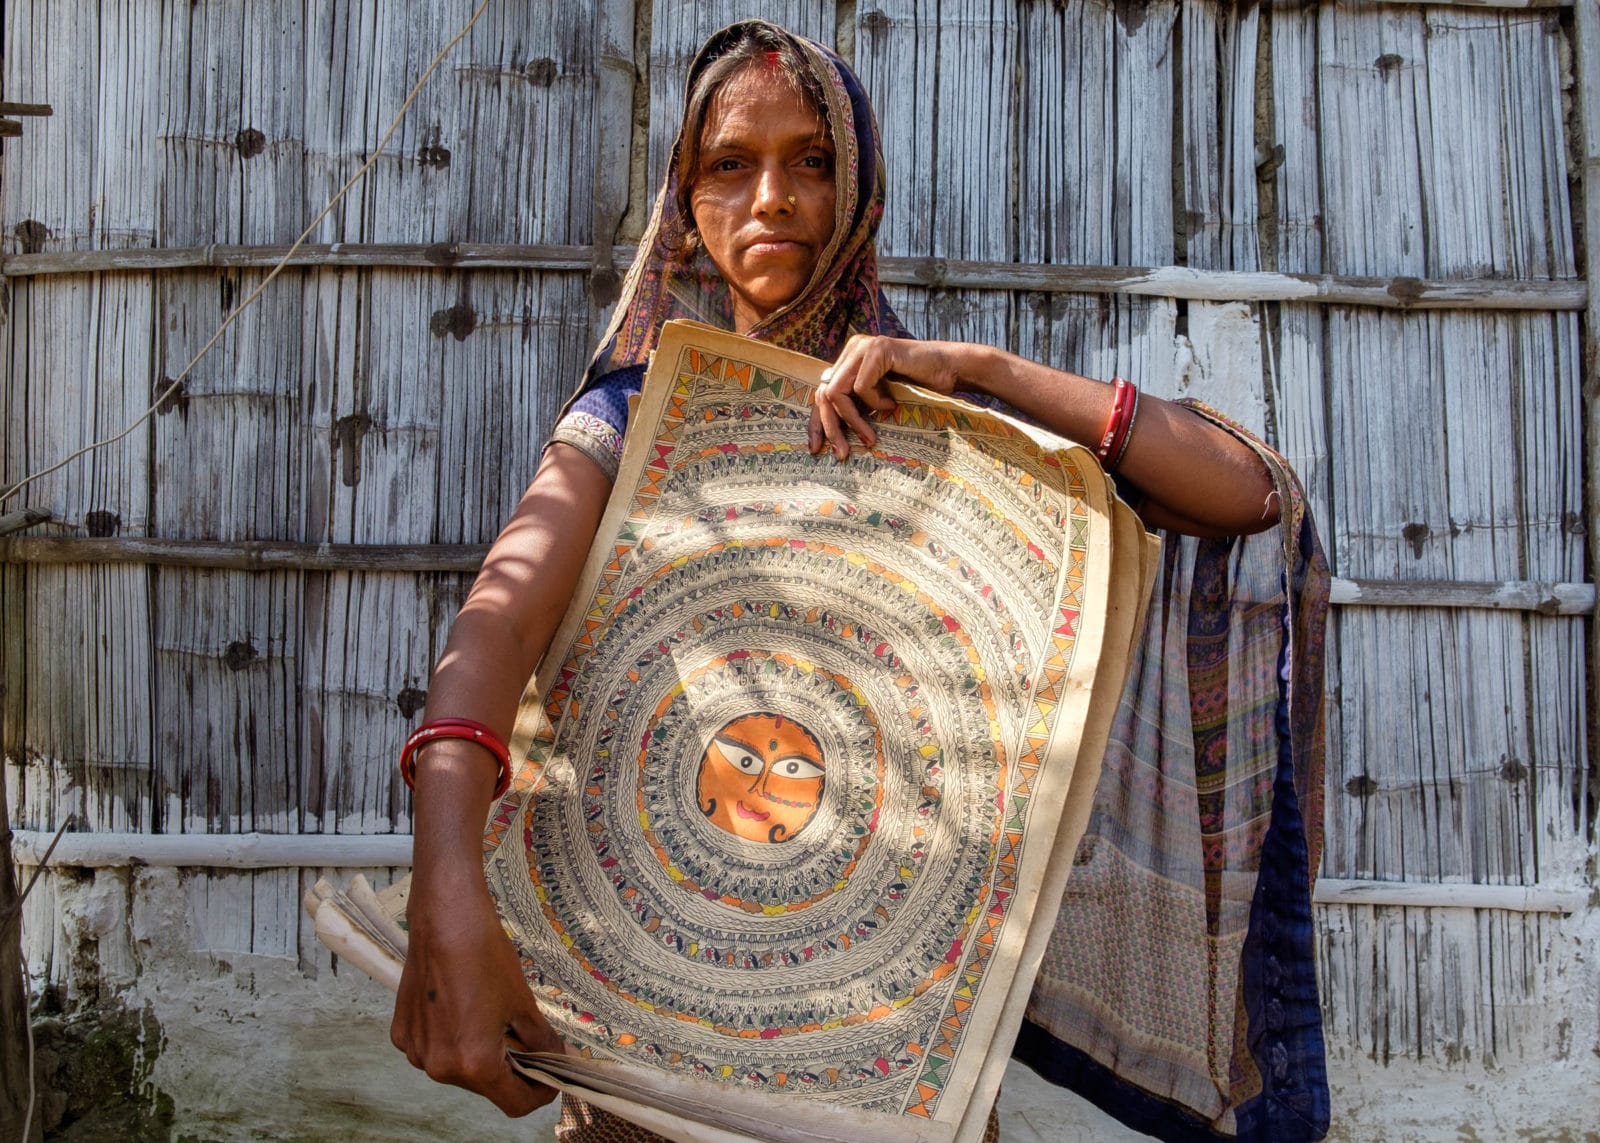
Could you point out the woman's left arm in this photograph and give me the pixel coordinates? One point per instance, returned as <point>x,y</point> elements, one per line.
<point>1196,476</point>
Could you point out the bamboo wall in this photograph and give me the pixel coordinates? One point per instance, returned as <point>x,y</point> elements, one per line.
<point>1350,226</point>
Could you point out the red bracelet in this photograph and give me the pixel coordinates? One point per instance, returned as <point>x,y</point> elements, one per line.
<point>1127,433</point>
<point>456,728</point>
<point>1114,440</point>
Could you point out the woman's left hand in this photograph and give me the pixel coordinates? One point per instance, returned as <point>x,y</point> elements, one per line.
<point>857,385</point>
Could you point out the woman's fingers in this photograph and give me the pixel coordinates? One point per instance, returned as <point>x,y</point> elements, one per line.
<point>857,381</point>
<point>462,998</point>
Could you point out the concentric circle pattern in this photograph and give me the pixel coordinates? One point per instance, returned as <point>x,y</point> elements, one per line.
<point>763,830</point>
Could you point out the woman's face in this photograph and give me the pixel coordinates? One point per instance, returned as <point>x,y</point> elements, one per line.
<point>763,191</point>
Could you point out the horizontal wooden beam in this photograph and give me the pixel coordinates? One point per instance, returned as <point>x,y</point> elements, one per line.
<point>222,851</point>
<point>25,108</point>
<point>273,555</point>
<point>1403,293</point>
<point>1450,895</point>
<point>367,851</point>
<point>1512,4</point>
<point>243,555</point>
<point>1515,595</point>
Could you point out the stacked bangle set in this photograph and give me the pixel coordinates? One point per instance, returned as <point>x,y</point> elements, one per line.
<point>1119,428</point>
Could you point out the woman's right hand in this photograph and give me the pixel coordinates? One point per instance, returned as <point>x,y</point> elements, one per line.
<point>463,1000</point>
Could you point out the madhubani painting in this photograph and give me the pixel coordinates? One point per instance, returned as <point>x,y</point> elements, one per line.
<point>805,766</point>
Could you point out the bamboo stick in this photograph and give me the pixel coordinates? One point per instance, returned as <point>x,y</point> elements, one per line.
<point>1451,895</point>
<point>1516,595</point>
<point>1401,293</point>
<point>1586,25</point>
<point>367,851</point>
<point>15,1096</point>
<point>1511,4</point>
<point>613,142</point>
<point>226,851</point>
<point>16,1090</point>
<point>271,555</point>
<point>246,555</point>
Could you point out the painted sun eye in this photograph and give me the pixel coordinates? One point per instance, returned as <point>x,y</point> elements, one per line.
<point>796,768</point>
<point>740,756</point>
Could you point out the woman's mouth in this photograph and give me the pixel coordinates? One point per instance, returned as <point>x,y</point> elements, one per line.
<point>749,814</point>
<point>774,247</point>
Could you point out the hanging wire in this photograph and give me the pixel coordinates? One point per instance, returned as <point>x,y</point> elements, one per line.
<point>172,386</point>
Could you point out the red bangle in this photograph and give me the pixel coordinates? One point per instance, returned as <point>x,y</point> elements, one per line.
<point>1127,433</point>
<point>1114,440</point>
<point>456,728</point>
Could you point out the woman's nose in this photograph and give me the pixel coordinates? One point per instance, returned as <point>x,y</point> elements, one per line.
<point>774,192</point>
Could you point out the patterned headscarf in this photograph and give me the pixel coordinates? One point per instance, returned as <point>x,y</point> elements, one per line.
<point>843,296</point>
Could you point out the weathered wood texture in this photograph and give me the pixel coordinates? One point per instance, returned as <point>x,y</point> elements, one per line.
<point>1285,170</point>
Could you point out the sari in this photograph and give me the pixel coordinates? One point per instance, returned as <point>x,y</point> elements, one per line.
<point>1214,772</point>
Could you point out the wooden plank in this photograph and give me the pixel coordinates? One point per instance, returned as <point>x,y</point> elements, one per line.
<point>217,851</point>
<point>1547,598</point>
<point>248,913</point>
<point>74,186</point>
<point>1094,122</point>
<point>16,1046</point>
<point>613,150</point>
<point>78,366</point>
<point>1218,215</point>
<point>1444,986</point>
<point>228,464</point>
<point>1522,595</point>
<point>244,555</point>
<point>1375,132</point>
<point>1586,27</point>
<point>373,641</point>
<point>955,315</point>
<point>1423,894</point>
<point>1296,384</point>
<point>950,188</point>
<point>1459,440</point>
<point>227,674</point>
<point>1295,183</point>
<point>1396,293</point>
<point>1447,768</point>
<point>231,125</point>
<point>677,30</point>
<point>426,437</point>
<point>254,851</point>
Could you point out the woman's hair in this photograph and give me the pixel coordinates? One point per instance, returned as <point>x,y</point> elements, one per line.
<point>757,45</point>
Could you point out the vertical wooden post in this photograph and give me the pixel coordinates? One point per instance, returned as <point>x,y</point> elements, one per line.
<point>613,70</point>
<point>14,1061</point>
<point>1586,21</point>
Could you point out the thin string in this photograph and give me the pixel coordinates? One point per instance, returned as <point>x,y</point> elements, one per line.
<point>172,386</point>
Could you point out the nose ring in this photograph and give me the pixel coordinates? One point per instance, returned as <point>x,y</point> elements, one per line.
<point>792,200</point>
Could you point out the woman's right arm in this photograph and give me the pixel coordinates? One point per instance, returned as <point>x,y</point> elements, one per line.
<point>463,999</point>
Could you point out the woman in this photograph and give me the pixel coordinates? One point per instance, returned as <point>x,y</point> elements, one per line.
<point>766,225</point>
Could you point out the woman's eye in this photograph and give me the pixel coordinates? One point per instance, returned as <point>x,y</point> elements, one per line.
<point>818,162</point>
<point>796,768</point>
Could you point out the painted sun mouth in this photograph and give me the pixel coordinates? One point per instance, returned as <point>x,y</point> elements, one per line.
<point>752,815</point>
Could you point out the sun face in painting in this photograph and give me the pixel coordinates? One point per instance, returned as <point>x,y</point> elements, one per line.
<point>761,778</point>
